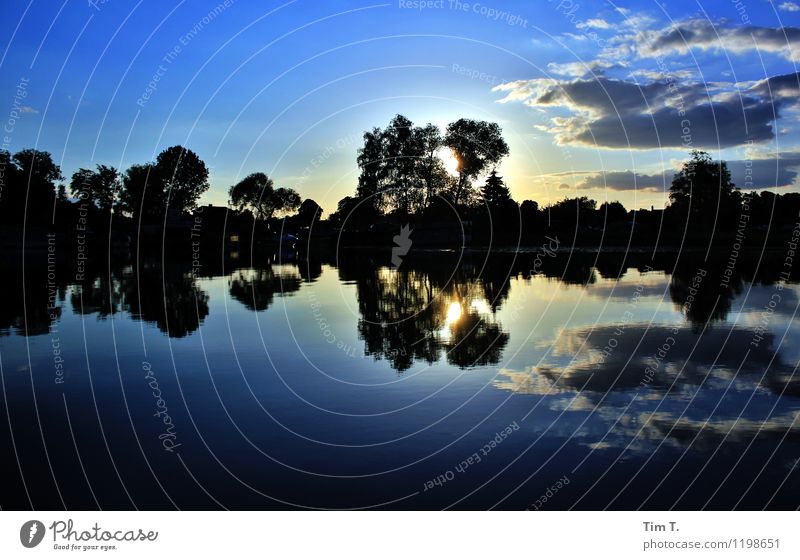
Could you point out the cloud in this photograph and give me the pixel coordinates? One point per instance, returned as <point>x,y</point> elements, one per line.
<point>762,172</point>
<point>584,68</point>
<point>654,75</point>
<point>786,86</point>
<point>703,34</point>
<point>579,360</point>
<point>625,181</point>
<point>789,7</point>
<point>594,23</point>
<point>28,109</point>
<point>626,114</point>
<point>765,172</point>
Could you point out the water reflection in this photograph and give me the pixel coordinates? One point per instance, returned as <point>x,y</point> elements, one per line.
<point>431,305</point>
<point>256,289</point>
<point>440,309</point>
<point>613,359</point>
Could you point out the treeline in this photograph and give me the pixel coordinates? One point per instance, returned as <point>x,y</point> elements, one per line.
<point>34,188</point>
<point>146,200</point>
<point>33,185</point>
<point>404,180</point>
<point>444,184</point>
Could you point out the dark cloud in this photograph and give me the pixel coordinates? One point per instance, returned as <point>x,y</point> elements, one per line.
<point>625,181</point>
<point>753,174</point>
<point>703,34</point>
<point>784,86</point>
<point>721,125</point>
<point>614,113</point>
<point>765,173</point>
<point>578,363</point>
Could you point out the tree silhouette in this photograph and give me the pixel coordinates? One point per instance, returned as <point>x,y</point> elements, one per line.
<point>183,177</point>
<point>495,194</point>
<point>702,189</point>
<point>477,145</point>
<point>30,175</point>
<point>402,152</point>
<point>100,187</point>
<point>370,160</point>
<point>573,210</point>
<point>611,212</point>
<point>175,181</point>
<point>430,141</point>
<point>309,212</point>
<point>401,167</point>
<point>257,193</point>
<point>141,195</point>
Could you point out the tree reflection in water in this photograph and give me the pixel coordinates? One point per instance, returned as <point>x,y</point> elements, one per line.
<point>421,313</point>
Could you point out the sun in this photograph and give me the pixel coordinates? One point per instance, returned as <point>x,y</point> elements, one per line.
<point>450,161</point>
<point>454,312</point>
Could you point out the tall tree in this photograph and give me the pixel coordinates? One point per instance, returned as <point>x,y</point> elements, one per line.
<point>141,194</point>
<point>402,154</point>
<point>257,193</point>
<point>183,177</point>
<point>371,161</point>
<point>29,180</point>
<point>477,145</point>
<point>100,187</point>
<point>702,188</point>
<point>430,141</point>
<point>577,210</point>
<point>495,194</point>
<point>613,212</point>
<point>309,212</point>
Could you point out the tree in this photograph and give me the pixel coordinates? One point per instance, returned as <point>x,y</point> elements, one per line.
<point>343,210</point>
<point>703,188</point>
<point>309,212</point>
<point>402,154</point>
<point>285,200</point>
<point>183,176</point>
<point>13,197</point>
<point>257,193</point>
<point>613,212</point>
<point>371,161</point>
<point>573,210</point>
<point>141,195</point>
<point>100,187</point>
<point>429,140</point>
<point>495,194</point>
<point>397,164</point>
<point>28,180</point>
<point>529,208</point>
<point>477,145</point>
<point>176,181</point>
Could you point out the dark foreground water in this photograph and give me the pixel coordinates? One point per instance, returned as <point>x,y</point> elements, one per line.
<point>550,382</point>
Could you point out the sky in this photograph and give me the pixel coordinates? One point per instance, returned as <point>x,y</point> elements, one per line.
<point>595,98</point>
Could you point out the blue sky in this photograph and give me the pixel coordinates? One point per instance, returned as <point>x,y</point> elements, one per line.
<point>593,97</point>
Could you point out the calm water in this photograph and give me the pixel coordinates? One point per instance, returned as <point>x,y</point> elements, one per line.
<point>451,381</point>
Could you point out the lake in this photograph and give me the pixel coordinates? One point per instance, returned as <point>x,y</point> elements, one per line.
<point>544,380</point>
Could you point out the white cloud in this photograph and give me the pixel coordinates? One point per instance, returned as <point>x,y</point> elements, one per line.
<point>595,23</point>
<point>583,68</point>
